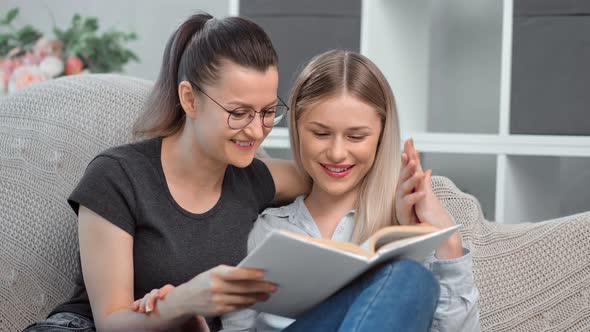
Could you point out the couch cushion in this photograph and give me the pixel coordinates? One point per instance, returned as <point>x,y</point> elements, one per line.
<point>531,276</point>
<point>48,134</point>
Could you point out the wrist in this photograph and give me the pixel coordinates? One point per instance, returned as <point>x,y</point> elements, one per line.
<point>174,304</point>
<point>445,218</point>
<point>436,216</point>
<point>451,248</point>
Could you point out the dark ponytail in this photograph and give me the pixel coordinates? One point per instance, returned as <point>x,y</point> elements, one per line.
<point>194,52</point>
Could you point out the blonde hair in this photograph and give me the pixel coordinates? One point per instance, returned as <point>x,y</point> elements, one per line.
<point>336,72</point>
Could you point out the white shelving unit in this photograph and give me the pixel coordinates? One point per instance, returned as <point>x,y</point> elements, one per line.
<point>449,65</point>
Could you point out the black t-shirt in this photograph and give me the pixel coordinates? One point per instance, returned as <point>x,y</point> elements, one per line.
<point>126,186</point>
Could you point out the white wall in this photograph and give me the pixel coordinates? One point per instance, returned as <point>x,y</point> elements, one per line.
<point>153,21</point>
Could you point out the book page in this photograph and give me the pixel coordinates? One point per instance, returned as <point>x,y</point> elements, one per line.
<point>345,246</point>
<point>416,248</point>
<point>395,233</point>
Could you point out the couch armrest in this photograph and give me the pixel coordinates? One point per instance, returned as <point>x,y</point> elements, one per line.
<point>531,276</point>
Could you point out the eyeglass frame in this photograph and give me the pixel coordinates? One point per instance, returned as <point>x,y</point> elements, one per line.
<point>261,112</point>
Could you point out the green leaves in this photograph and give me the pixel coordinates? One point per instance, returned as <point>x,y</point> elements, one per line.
<point>27,36</point>
<point>101,53</point>
<point>106,52</point>
<point>9,17</point>
<point>76,36</point>
<point>11,38</point>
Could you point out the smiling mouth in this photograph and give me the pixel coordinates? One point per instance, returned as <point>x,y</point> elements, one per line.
<point>243,144</point>
<point>337,169</point>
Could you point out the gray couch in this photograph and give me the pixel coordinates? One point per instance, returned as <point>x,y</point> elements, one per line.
<point>531,277</point>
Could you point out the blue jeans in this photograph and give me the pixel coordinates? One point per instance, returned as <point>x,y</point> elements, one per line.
<point>63,322</point>
<point>397,296</point>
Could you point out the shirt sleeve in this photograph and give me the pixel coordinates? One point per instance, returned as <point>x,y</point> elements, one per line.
<point>240,320</point>
<point>106,189</point>
<point>457,306</point>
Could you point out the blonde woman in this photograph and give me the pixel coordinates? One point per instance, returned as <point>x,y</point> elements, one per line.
<point>345,138</point>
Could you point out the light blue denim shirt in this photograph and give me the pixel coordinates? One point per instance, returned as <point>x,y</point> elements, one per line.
<point>457,306</point>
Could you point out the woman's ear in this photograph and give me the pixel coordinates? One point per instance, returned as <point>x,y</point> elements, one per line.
<point>187,99</point>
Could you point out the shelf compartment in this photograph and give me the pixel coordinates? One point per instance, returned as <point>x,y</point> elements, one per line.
<point>539,188</point>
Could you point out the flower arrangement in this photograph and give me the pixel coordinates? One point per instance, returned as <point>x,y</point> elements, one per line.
<point>27,57</point>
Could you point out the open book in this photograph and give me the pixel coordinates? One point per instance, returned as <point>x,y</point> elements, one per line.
<point>309,270</point>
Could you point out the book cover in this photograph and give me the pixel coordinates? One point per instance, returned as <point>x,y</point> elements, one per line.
<point>309,270</point>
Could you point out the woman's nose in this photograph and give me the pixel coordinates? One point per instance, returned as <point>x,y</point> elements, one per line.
<point>255,129</point>
<point>337,151</point>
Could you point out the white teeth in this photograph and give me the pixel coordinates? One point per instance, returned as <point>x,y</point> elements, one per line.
<point>336,170</point>
<point>244,144</point>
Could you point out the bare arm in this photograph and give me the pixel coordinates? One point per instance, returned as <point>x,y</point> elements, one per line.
<point>106,252</point>
<point>107,263</point>
<point>289,182</point>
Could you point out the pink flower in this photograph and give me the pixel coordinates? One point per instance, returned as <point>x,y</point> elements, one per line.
<point>2,81</point>
<point>24,76</point>
<point>8,67</point>
<point>52,66</point>
<point>44,47</point>
<point>74,65</point>
<point>30,59</point>
<point>16,52</point>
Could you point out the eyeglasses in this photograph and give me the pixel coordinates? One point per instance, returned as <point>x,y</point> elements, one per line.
<point>242,116</point>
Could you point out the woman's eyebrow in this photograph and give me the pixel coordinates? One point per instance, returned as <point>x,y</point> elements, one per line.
<point>360,128</point>
<point>319,124</point>
<point>243,104</point>
<point>357,128</point>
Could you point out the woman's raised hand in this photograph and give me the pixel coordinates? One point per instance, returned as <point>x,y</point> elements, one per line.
<point>410,188</point>
<point>416,202</point>
<point>428,209</point>
<point>419,203</point>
